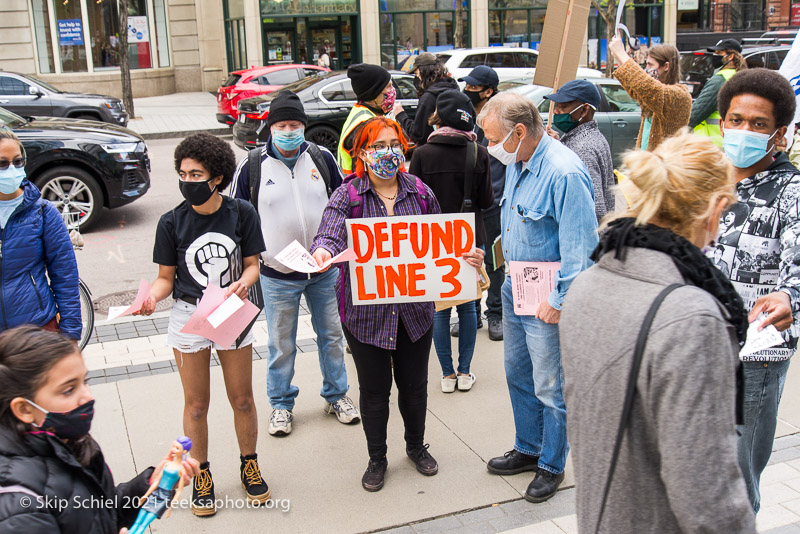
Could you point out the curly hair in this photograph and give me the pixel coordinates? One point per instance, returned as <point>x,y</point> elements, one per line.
<point>212,152</point>
<point>429,75</point>
<point>366,135</point>
<point>765,83</point>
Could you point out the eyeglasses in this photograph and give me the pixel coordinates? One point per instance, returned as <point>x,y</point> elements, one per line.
<point>17,162</point>
<point>397,147</point>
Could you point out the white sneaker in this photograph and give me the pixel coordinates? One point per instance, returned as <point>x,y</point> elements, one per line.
<point>345,410</point>
<point>280,422</point>
<point>465,382</point>
<point>448,385</point>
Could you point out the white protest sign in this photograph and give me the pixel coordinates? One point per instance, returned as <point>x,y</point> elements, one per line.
<point>412,258</point>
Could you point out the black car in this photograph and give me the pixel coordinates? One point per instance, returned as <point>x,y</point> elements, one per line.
<point>28,97</point>
<point>327,100</point>
<point>81,166</point>
<point>698,66</point>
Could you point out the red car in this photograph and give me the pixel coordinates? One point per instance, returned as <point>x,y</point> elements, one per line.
<point>255,82</point>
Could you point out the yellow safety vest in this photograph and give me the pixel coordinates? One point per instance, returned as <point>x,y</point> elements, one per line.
<point>710,126</point>
<point>357,115</point>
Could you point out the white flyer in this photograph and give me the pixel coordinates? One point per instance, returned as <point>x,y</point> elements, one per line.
<point>225,310</point>
<point>756,341</point>
<point>297,258</point>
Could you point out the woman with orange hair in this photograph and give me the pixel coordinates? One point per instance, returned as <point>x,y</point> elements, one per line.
<point>384,337</point>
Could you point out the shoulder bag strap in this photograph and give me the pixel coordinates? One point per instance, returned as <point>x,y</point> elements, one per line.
<point>254,174</point>
<point>638,355</point>
<point>469,176</point>
<point>321,165</point>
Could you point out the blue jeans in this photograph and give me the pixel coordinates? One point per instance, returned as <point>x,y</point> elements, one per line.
<point>536,385</point>
<point>467,332</point>
<point>763,386</point>
<point>281,308</point>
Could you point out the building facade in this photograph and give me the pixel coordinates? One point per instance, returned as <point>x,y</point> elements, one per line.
<point>191,45</point>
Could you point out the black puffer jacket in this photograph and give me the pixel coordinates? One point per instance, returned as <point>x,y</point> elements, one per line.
<point>68,497</point>
<point>418,128</point>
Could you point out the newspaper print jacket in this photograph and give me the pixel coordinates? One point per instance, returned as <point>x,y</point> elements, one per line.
<point>759,245</point>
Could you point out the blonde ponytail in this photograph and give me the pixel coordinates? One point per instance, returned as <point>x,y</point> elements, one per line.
<point>677,185</point>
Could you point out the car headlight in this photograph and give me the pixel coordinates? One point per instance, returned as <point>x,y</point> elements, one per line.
<point>120,151</point>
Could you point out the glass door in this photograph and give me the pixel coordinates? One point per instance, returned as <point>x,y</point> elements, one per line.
<point>323,41</point>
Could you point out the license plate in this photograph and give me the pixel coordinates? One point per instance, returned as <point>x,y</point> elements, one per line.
<point>242,118</point>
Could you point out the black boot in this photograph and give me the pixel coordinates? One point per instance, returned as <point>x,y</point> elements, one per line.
<point>544,486</point>
<point>254,486</point>
<point>513,462</point>
<point>374,475</point>
<point>203,499</point>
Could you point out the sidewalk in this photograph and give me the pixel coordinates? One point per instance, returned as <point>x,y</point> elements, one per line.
<point>176,115</point>
<point>315,473</point>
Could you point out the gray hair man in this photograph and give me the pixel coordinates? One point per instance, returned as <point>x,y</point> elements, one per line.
<point>547,215</point>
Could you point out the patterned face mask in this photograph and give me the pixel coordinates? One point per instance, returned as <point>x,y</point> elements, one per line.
<point>385,163</point>
<point>388,100</point>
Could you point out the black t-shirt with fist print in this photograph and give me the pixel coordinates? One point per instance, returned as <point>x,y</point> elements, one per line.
<point>207,249</point>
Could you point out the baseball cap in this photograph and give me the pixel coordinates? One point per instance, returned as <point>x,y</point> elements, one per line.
<point>425,58</point>
<point>581,90</point>
<point>481,75</point>
<point>727,44</point>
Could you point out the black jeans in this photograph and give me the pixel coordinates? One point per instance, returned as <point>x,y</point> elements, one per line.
<point>374,366</point>
<point>494,302</point>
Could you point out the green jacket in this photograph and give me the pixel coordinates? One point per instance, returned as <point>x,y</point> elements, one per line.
<point>706,103</point>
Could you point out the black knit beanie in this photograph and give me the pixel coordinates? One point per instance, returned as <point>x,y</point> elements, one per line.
<point>368,80</point>
<point>286,107</point>
<point>456,110</point>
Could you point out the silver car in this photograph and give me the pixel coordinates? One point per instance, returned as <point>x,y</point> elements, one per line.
<point>618,117</point>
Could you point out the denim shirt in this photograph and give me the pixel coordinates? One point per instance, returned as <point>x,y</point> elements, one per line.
<point>547,212</point>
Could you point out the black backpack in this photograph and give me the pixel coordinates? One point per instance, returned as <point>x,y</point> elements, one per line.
<point>254,170</point>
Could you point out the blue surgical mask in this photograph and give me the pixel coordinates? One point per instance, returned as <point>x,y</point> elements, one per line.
<point>745,148</point>
<point>10,179</point>
<point>290,140</point>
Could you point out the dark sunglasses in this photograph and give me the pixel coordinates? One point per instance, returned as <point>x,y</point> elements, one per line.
<point>18,163</point>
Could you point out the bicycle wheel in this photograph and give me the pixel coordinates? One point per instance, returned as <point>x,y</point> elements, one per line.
<point>87,314</point>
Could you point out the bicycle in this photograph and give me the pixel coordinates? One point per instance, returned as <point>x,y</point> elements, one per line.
<point>87,306</point>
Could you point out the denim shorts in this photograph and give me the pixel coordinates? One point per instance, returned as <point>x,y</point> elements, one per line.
<point>189,343</point>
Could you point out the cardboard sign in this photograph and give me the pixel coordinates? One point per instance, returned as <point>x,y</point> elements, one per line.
<point>562,42</point>
<point>412,258</point>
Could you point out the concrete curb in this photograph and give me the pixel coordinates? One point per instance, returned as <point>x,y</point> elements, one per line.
<point>186,133</point>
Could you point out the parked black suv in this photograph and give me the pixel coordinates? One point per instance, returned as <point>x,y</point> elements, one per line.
<point>327,100</point>
<point>81,166</point>
<point>28,97</point>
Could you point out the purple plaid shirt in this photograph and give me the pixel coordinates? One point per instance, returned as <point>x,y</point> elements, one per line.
<point>375,324</point>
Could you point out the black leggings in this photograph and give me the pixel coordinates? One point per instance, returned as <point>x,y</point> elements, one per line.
<point>374,366</point>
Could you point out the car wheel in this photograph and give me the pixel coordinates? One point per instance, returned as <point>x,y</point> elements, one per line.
<point>324,136</point>
<point>74,193</point>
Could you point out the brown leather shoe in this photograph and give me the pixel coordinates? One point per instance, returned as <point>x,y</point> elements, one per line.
<point>374,475</point>
<point>425,463</point>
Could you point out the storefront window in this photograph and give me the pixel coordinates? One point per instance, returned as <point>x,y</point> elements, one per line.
<point>44,40</point>
<point>409,27</point>
<point>69,26</point>
<point>162,42</point>
<point>511,26</point>
<point>104,34</point>
<point>235,36</point>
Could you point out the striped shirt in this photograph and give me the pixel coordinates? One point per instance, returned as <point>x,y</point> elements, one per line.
<point>375,324</point>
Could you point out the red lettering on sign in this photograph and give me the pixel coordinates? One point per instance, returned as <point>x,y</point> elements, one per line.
<point>381,237</point>
<point>399,233</point>
<point>380,281</point>
<point>450,278</point>
<point>362,293</point>
<point>396,279</point>
<point>419,232</point>
<point>362,256</point>
<point>442,238</point>
<point>464,238</point>
<point>414,277</point>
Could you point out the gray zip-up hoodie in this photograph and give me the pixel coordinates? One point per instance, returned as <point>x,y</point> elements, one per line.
<point>677,469</point>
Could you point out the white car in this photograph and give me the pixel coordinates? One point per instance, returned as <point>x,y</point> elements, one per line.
<point>508,62</point>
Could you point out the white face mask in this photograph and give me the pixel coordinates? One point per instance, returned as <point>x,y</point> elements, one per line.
<point>502,155</point>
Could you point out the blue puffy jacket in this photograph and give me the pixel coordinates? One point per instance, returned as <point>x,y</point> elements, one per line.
<point>35,245</point>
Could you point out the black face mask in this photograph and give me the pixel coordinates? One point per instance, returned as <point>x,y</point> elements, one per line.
<point>474,96</point>
<point>196,193</point>
<point>417,83</point>
<point>73,424</point>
